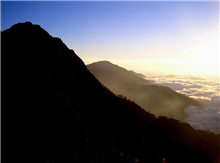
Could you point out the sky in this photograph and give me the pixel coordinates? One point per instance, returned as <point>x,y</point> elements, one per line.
<point>147,37</point>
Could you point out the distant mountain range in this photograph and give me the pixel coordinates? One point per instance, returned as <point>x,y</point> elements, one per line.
<point>159,100</point>
<point>55,111</point>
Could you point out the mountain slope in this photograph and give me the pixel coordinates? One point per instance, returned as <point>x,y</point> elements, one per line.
<point>113,74</point>
<point>159,100</point>
<point>138,74</point>
<point>56,111</point>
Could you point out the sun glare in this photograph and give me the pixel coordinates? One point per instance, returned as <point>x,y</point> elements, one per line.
<point>206,58</point>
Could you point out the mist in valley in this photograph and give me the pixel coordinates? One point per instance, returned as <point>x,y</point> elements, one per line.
<point>204,89</point>
<point>191,99</point>
<point>111,81</point>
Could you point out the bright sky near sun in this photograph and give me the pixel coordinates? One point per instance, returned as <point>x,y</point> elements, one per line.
<point>158,37</point>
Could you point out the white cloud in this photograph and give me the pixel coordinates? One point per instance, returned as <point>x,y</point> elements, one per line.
<point>205,118</point>
<point>203,89</point>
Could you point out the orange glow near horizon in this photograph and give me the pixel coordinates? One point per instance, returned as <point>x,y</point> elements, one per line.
<point>195,53</point>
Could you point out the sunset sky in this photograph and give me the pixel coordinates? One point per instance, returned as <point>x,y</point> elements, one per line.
<point>147,37</point>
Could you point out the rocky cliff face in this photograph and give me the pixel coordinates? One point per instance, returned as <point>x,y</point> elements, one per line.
<point>56,111</point>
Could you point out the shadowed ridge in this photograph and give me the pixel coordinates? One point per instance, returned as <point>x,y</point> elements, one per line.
<point>22,25</point>
<point>138,74</point>
<point>159,100</point>
<point>108,65</point>
<point>102,62</point>
<point>56,111</point>
<point>113,74</point>
<point>27,27</point>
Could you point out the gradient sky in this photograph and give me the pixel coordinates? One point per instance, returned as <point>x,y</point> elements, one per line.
<point>160,37</point>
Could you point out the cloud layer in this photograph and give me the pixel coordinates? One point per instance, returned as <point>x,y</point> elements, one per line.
<point>205,118</point>
<point>206,91</point>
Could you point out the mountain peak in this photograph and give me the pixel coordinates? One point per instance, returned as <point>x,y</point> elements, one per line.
<point>104,62</point>
<point>154,98</point>
<point>57,111</point>
<point>27,30</point>
<point>24,26</point>
<point>108,70</point>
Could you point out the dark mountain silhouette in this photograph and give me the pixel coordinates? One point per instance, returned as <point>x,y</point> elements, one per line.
<point>159,100</point>
<point>56,111</point>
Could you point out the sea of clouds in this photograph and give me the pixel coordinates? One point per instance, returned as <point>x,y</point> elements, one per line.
<point>203,89</point>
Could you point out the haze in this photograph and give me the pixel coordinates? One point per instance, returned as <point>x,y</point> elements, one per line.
<point>147,37</point>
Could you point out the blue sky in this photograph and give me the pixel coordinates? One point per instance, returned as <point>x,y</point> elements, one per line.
<point>132,34</point>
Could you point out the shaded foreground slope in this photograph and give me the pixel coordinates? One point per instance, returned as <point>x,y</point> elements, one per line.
<point>159,100</point>
<point>56,111</point>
